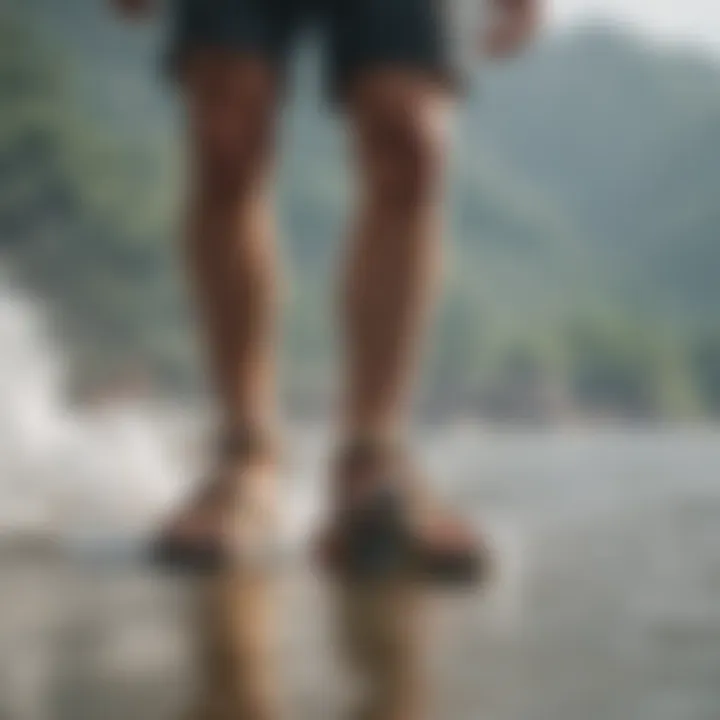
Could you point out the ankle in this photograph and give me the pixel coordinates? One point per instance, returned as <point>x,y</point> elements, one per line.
<point>371,437</point>
<point>247,444</point>
<point>364,459</point>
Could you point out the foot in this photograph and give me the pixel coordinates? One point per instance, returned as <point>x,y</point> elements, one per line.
<point>230,521</point>
<point>385,525</point>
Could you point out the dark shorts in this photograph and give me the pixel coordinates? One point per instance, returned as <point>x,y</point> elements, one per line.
<point>421,35</point>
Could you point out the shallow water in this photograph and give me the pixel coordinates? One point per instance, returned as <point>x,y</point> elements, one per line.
<point>607,607</point>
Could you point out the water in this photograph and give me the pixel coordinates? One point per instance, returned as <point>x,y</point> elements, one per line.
<point>607,606</point>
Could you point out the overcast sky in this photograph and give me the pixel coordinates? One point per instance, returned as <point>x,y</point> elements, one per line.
<point>687,21</point>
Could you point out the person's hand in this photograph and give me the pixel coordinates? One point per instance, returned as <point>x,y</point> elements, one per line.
<point>133,9</point>
<point>512,26</point>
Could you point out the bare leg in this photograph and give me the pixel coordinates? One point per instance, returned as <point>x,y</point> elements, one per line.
<point>231,105</point>
<point>400,124</point>
<point>231,110</point>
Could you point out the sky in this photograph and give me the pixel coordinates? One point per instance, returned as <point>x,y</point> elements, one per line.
<point>694,22</point>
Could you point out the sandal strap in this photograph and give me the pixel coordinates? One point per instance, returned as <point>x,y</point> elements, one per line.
<point>234,447</point>
<point>365,467</point>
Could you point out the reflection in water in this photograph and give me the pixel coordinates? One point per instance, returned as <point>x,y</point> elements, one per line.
<point>235,660</point>
<point>382,630</point>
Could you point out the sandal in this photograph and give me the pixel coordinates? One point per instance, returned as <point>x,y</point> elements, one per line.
<point>386,525</point>
<point>230,521</point>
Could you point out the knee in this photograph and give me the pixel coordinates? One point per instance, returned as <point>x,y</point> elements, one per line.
<point>404,154</point>
<point>231,154</point>
<point>231,126</point>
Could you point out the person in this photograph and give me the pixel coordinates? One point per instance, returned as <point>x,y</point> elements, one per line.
<point>394,75</point>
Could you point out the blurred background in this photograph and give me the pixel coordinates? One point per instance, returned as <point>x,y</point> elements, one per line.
<point>571,397</point>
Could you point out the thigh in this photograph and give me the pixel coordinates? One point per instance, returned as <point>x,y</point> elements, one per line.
<point>419,37</point>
